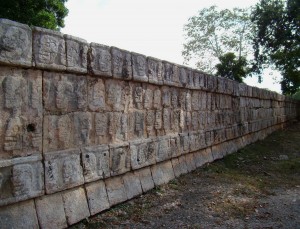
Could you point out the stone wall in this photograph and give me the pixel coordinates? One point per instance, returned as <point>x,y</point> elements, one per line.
<point>85,126</point>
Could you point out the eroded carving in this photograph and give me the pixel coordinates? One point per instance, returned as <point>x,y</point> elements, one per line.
<point>96,94</point>
<point>139,67</point>
<point>155,71</point>
<point>82,127</point>
<point>100,58</point>
<point>121,64</point>
<point>119,159</point>
<point>142,153</point>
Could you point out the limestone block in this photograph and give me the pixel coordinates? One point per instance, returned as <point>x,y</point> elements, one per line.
<point>183,76</point>
<point>184,143</point>
<point>195,101</point>
<point>77,50</point>
<point>217,152</point>
<point>119,158</point>
<point>195,120</point>
<point>162,173</point>
<point>212,83</point>
<point>64,92</point>
<point>150,123</point>
<point>95,161</point>
<point>117,95</point>
<point>15,43</point>
<point>75,204</point>
<point>20,179</point>
<point>49,49</point>
<point>136,125</point>
<point>20,215</point>
<point>100,60</point>
<point>115,190</point>
<point>157,99</point>
<point>163,148</point>
<point>142,153</point>
<point>179,166</point>
<point>145,178</point>
<point>148,96</point>
<point>62,170</point>
<point>170,74</point>
<point>190,162</point>
<point>201,158</point>
<point>121,64</point>
<point>21,112</point>
<point>175,120</point>
<point>50,211</point>
<point>209,138</point>
<point>197,140</point>
<point>137,95</point>
<point>96,94</point>
<point>155,70</point>
<point>166,96</point>
<point>97,197</point>
<point>167,120</point>
<point>82,128</point>
<point>132,185</point>
<point>175,145</point>
<point>139,65</point>
<point>199,80</point>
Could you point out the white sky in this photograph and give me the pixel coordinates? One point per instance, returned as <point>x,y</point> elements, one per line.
<point>151,27</point>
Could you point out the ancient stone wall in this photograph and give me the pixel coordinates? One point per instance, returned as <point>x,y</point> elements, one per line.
<point>85,126</point>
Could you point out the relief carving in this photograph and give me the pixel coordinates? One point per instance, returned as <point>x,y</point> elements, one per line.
<point>138,97</point>
<point>101,126</point>
<point>142,153</point>
<point>76,53</point>
<point>82,124</point>
<point>166,97</point>
<point>96,95</point>
<point>157,99</point>
<point>121,64</point>
<point>119,159</point>
<point>148,100</point>
<point>139,67</point>
<point>64,126</point>
<point>155,71</point>
<point>22,178</point>
<point>100,58</point>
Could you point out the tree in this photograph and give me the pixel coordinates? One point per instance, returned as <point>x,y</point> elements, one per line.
<point>277,40</point>
<point>212,33</point>
<point>44,13</point>
<point>232,68</point>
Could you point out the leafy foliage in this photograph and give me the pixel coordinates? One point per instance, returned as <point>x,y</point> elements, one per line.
<point>232,68</point>
<point>212,33</point>
<point>44,13</point>
<point>277,40</point>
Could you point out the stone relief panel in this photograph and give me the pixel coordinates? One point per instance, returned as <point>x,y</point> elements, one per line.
<point>117,95</point>
<point>150,123</point>
<point>148,96</point>
<point>49,49</point>
<point>100,60</point>
<point>157,99</point>
<point>95,162</point>
<point>166,96</point>
<point>163,148</point>
<point>143,153</point>
<point>121,64</point>
<point>167,120</point>
<point>21,179</point>
<point>175,145</point>
<point>175,120</point>
<point>139,65</point>
<point>136,124</point>
<point>62,170</point>
<point>174,98</point>
<point>82,128</point>
<point>64,92</point>
<point>137,95</point>
<point>171,74</point>
<point>184,143</point>
<point>76,49</point>
<point>155,70</point>
<point>102,121</point>
<point>183,76</point>
<point>21,112</point>
<point>96,94</point>
<point>195,100</point>
<point>158,124</point>
<point>119,159</point>
<point>15,43</point>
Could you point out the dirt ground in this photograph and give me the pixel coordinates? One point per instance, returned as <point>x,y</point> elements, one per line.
<point>257,187</point>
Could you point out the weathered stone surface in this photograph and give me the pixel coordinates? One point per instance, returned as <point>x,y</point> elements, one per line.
<point>190,162</point>
<point>21,112</point>
<point>175,145</point>
<point>115,190</point>
<point>179,166</point>
<point>50,211</point>
<point>155,70</point>
<point>20,215</point>
<point>162,173</point>
<point>203,156</point>
<point>97,197</point>
<point>62,170</point>
<point>170,74</point>
<point>21,179</point>
<point>82,128</point>
<point>121,64</point>
<point>139,65</point>
<point>95,161</point>
<point>100,60</point>
<point>64,92</point>
<point>145,178</point>
<point>75,204</point>
<point>136,125</point>
<point>163,149</point>
<point>15,43</point>
<point>117,95</point>
<point>76,49</point>
<point>132,185</point>
<point>142,153</point>
<point>184,143</point>
<point>96,94</point>
<point>49,49</point>
<point>119,158</point>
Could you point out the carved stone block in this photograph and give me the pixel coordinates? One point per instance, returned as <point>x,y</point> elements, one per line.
<point>175,145</point>
<point>195,101</point>
<point>142,153</point>
<point>137,95</point>
<point>162,173</point>
<point>97,197</point>
<point>100,60</point>
<point>49,49</point>
<point>167,120</point>
<point>179,166</point>
<point>119,159</point>
<point>77,49</point>
<point>132,185</point>
<point>163,149</point>
<point>184,143</point>
<point>96,94</point>
<point>150,123</point>
<point>137,124</point>
<point>145,178</point>
<point>117,95</point>
<point>15,43</point>
<point>148,97</point>
<point>139,65</point>
<point>62,170</point>
<point>64,92</point>
<point>195,120</point>
<point>82,128</point>
<point>155,70</point>
<point>21,179</point>
<point>170,74</point>
<point>175,120</point>
<point>166,97</point>
<point>190,162</point>
<point>157,98</point>
<point>95,161</point>
<point>183,76</point>
<point>21,112</point>
<point>115,190</point>
<point>121,64</point>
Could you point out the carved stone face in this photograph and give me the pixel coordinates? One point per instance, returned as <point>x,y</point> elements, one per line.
<point>12,90</point>
<point>10,39</point>
<point>141,65</point>
<point>48,49</point>
<point>104,61</point>
<point>22,179</point>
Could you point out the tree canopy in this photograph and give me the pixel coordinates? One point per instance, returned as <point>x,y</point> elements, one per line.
<point>213,33</point>
<point>277,40</point>
<point>43,13</point>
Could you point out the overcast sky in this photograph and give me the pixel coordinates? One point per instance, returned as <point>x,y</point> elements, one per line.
<point>151,27</point>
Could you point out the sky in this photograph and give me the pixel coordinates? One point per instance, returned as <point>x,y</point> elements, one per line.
<point>150,27</point>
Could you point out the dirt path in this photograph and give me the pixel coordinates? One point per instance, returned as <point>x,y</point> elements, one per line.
<point>257,187</point>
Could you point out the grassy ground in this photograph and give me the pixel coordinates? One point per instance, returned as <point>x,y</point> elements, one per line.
<point>257,187</point>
